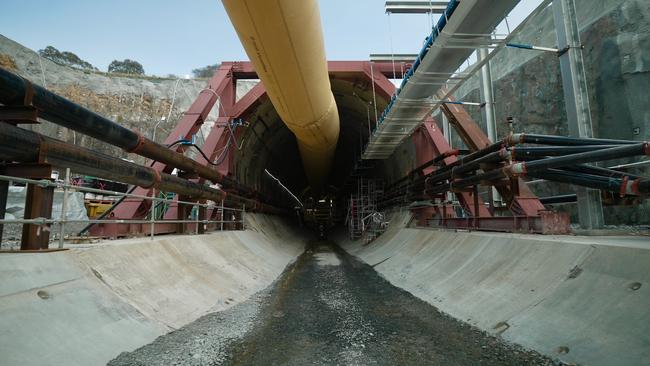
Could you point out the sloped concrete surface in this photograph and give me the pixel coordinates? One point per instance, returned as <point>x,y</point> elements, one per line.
<point>582,299</point>
<point>328,308</point>
<point>86,305</point>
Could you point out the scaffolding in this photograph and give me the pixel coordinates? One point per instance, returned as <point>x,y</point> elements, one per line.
<point>364,219</point>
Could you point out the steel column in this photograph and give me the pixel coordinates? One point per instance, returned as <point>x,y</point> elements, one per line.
<point>487,96</point>
<point>4,190</point>
<point>202,215</point>
<point>576,98</point>
<point>182,213</point>
<point>38,203</point>
<point>489,113</point>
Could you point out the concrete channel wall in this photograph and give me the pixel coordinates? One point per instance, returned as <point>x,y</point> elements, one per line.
<point>583,300</point>
<point>86,305</point>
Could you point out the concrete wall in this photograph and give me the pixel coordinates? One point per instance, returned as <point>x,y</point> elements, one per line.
<point>86,305</point>
<point>581,299</point>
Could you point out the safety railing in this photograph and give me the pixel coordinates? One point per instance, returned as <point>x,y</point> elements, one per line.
<point>220,223</point>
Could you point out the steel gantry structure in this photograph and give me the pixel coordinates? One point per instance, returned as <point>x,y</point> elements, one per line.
<point>429,84</point>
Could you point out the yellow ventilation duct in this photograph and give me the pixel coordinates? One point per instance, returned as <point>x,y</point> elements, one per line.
<point>284,40</point>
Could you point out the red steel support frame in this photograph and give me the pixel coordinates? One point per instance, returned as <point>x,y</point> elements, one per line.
<point>222,87</point>
<point>521,201</point>
<point>428,140</point>
<point>429,143</point>
<point>528,213</point>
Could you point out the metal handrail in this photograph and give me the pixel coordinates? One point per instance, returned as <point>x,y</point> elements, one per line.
<point>67,186</point>
<point>48,183</point>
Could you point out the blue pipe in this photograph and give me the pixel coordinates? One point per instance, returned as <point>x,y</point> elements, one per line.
<point>517,45</point>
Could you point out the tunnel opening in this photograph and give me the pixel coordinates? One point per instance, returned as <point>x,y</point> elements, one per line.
<point>269,145</point>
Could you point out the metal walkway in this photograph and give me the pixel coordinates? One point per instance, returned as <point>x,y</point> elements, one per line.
<point>462,28</point>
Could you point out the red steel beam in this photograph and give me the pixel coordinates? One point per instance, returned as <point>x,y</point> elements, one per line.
<point>222,83</point>
<point>544,223</point>
<point>245,70</point>
<point>218,136</point>
<point>520,199</point>
<point>38,203</point>
<point>429,143</point>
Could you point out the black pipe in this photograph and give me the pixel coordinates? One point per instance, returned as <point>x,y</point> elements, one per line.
<point>563,140</point>
<point>563,198</point>
<point>63,112</point>
<point>15,90</point>
<point>428,164</point>
<point>618,185</point>
<point>584,157</point>
<point>525,153</point>
<point>580,179</point>
<point>550,163</point>
<point>17,144</point>
<point>595,170</point>
<point>475,164</point>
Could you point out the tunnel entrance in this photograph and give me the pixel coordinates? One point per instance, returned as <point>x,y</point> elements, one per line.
<point>268,145</point>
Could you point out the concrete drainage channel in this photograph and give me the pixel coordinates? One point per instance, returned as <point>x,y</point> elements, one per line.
<point>251,297</point>
<point>328,308</point>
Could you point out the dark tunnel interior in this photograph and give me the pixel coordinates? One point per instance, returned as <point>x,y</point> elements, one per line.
<point>269,144</point>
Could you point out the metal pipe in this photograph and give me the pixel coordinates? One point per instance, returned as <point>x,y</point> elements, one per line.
<point>622,186</point>
<point>584,157</point>
<point>419,169</point>
<point>548,163</point>
<point>284,40</point>
<point>17,144</point>
<point>153,213</point>
<point>596,170</point>
<point>466,165</point>
<point>15,90</point>
<point>530,138</point>
<point>525,153</point>
<point>563,198</point>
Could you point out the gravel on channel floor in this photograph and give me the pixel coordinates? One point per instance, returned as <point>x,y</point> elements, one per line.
<point>328,308</point>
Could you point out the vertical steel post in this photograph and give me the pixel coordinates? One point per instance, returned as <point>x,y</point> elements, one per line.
<point>38,203</point>
<point>182,212</point>
<point>487,96</point>
<point>222,215</point>
<point>576,98</point>
<point>243,211</point>
<point>64,206</point>
<point>195,217</point>
<point>152,219</point>
<point>201,226</point>
<point>489,113</point>
<point>4,191</point>
<point>446,131</point>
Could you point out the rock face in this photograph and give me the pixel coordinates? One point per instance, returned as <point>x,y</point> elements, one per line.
<point>135,102</point>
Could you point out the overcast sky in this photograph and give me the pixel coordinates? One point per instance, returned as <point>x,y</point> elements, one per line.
<point>176,36</point>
